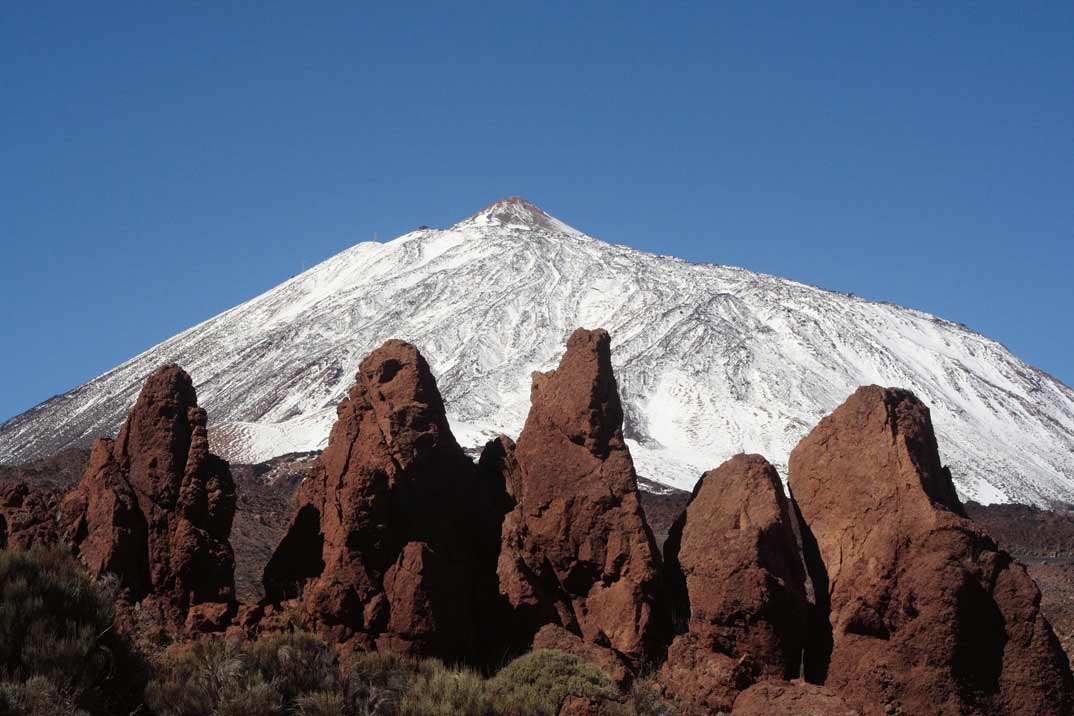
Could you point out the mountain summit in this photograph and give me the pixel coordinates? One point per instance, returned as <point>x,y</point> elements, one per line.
<point>514,212</point>
<point>710,360</point>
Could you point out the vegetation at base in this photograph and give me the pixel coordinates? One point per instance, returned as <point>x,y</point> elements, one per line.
<point>62,655</point>
<point>59,649</point>
<point>537,683</point>
<point>295,674</point>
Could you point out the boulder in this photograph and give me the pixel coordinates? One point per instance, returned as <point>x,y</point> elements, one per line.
<point>920,611</point>
<point>773,698</point>
<point>155,507</point>
<point>576,550</point>
<point>584,706</point>
<point>735,573</point>
<point>27,515</point>
<point>553,636</point>
<point>384,547</point>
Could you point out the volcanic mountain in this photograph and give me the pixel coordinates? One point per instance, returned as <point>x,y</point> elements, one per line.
<point>711,360</point>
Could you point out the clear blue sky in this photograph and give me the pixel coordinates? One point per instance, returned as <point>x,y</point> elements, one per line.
<point>159,165</point>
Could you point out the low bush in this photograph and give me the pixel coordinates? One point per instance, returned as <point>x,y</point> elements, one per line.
<point>200,678</point>
<point>295,674</point>
<point>449,692</point>
<point>61,655</point>
<point>321,703</point>
<point>646,699</point>
<point>295,664</point>
<point>533,685</point>
<point>376,684</point>
<point>291,673</point>
<point>58,641</point>
<point>537,683</point>
<point>35,697</point>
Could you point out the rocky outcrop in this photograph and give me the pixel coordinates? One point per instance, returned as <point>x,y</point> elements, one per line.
<point>734,569</point>
<point>925,614</point>
<point>772,698</point>
<point>155,508</point>
<point>382,549</point>
<point>611,662</point>
<point>576,550</point>
<point>27,515</point>
<point>585,706</point>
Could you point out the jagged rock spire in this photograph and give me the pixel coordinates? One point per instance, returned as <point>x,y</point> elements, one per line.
<point>577,551</point>
<point>155,507</point>
<point>380,552</point>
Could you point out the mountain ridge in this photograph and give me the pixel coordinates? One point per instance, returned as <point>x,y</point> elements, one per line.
<point>714,359</point>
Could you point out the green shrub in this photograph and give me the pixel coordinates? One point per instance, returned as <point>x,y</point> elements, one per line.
<point>448,692</point>
<point>377,682</point>
<point>193,680</point>
<point>646,699</point>
<point>56,628</point>
<point>223,677</point>
<point>537,683</point>
<point>533,685</point>
<point>294,664</point>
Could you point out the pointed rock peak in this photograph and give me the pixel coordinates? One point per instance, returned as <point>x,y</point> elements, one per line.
<point>401,376</point>
<point>514,212</point>
<point>155,507</point>
<point>170,391</point>
<point>170,379</point>
<point>395,381</point>
<point>883,419</point>
<point>580,397</point>
<point>881,531</point>
<point>385,543</point>
<point>576,550</point>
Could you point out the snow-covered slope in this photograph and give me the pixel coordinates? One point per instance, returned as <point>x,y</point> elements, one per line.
<point>711,360</point>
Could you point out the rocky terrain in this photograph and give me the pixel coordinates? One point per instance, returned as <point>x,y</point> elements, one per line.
<point>710,360</point>
<point>869,589</point>
<point>385,545</point>
<point>155,508</point>
<point>576,550</point>
<point>915,605</point>
<point>1043,540</point>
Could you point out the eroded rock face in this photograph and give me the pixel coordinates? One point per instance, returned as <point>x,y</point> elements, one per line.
<point>925,614</point>
<point>382,550</point>
<point>155,507</point>
<point>734,569</point>
<point>27,515</point>
<point>576,550</point>
<point>772,698</point>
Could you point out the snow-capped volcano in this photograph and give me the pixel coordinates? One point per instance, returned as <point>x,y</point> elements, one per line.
<point>711,360</point>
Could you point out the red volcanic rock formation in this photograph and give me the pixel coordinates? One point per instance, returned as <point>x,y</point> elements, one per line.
<point>773,698</point>
<point>733,565</point>
<point>553,636</point>
<point>925,614</point>
<point>576,550</point>
<point>27,515</point>
<point>380,552</point>
<point>155,507</point>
